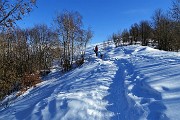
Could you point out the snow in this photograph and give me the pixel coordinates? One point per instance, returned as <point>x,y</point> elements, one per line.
<point>129,83</point>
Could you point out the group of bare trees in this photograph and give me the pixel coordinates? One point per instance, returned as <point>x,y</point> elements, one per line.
<point>163,31</point>
<point>13,45</point>
<point>72,36</point>
<point>24,53</point>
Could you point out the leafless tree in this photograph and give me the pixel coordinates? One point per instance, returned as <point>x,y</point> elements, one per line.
<point>175,10</point>
<point>134,32</point>
<point>125,36</point>
<point>12,11</point>
<point>162,30</point>
<point>145,32</point>
<point>175,14</point>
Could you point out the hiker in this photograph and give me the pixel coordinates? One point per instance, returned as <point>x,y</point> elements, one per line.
<point>96,50</point>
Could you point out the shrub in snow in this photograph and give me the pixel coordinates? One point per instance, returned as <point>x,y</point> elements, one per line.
<point>30,80</point>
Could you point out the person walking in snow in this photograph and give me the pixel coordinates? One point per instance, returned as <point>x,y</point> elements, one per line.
<point>96,50</point>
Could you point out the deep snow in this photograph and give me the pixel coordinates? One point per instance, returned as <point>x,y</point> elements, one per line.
<point>129,83</point>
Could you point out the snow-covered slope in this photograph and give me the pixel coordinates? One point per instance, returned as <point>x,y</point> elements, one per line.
<point>129,83</point>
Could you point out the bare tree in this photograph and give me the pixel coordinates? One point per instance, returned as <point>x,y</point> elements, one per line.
<point>134,32</point>
<point>12,11</point>
<point>85,38</point>
<point>162,30</point>
<point>175,14</point>
<point>125,36</point>
<point>175,10</point>
<point>145,32</point>
<point>116,39</point>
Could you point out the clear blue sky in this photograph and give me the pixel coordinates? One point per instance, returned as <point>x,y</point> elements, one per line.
<point>103,16</point>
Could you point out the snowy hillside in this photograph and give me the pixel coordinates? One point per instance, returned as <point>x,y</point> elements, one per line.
<point>129,83</point>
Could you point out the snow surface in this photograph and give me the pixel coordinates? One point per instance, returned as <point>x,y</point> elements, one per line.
<point>129,83</point>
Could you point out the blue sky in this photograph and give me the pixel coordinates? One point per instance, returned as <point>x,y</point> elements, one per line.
<point>103,16</point>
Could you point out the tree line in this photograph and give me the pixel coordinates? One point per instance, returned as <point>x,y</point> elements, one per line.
<point>162,32</point>
<point>24,53</point>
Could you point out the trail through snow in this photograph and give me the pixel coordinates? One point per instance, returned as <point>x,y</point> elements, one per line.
<point>129,83</point>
